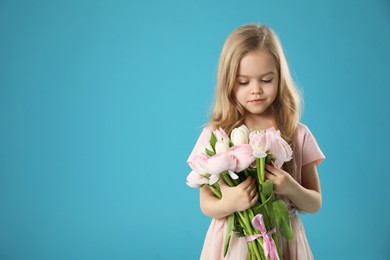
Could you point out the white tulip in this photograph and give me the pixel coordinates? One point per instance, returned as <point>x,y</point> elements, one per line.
<point>222,146</point>
<point>240,135</point>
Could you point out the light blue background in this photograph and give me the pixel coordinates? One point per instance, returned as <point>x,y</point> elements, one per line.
<point>101,103</point>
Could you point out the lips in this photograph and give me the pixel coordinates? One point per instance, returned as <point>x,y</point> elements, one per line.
<point>257,100</point>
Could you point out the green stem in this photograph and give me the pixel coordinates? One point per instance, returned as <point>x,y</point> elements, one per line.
<point>260,168</point>
<point>260,165</point>
<point>246,173</point>
<point>259,241</point>
<point>249,230</point>
<point>216,191</point>
<point>255,248</point>
<point>228,180</point>
<point>244,224</point>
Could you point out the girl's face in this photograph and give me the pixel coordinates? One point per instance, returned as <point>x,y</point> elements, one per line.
<point>257,82</point>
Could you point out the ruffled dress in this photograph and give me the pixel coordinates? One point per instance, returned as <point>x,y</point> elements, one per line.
<point>306,150</point>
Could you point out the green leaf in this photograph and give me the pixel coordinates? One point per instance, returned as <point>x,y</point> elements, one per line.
<point>213,140</point>
<point>267,188</point>
<point>210,153</point>
<point>282,218</point>
<point>229,230</point>
<point>257,206</point>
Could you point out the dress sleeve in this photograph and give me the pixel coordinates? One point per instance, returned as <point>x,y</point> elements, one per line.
<point>202,141</point>
<point>311,152</point>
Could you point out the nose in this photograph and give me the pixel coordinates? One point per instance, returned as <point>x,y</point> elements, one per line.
<point>257,88</point>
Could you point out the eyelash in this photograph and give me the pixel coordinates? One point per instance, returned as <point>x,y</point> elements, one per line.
<point>243,83</point>
<point>263,81</point>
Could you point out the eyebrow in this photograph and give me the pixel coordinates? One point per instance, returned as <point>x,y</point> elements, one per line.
<point>265,74</point>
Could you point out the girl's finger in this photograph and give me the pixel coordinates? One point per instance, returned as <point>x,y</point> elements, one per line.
<point>255,198</point>
<point>247,183</point>
<point>253,193</point>
<point>270,176</point>
<point>271,169</point>
<point>252,186</point>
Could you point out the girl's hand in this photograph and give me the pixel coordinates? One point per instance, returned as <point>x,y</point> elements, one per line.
<point>284,183</point>
<point>240,197</point>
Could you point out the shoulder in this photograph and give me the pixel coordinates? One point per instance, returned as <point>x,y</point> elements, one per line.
<point>204,136</point>
<point>307,144</point>
<point>202,141</point>
<point>206,131</point>
<point>304,136</point>
<point>303,130</point>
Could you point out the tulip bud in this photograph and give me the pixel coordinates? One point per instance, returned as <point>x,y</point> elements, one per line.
<point>222,146</point>
<point>240,135</point>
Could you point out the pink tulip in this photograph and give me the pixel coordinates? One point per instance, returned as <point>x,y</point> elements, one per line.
<point>217,163</point>
<point>280,149</point>
<point>259,143</point>
<point>203,164</point>
<point>195,180</point>
<point>235,160</point>
<point>200,168</point>
<point>242,155</point>
<point>270,142</point>
<point>198,162</point>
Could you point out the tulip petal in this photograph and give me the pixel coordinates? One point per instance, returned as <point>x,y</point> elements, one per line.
<point>243,157</point>
<point>218,163</point>
<point>213,179</point>
<point>195,180</point>
<point>233,175</point>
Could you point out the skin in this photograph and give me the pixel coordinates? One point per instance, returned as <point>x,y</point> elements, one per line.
<point>256,89</point>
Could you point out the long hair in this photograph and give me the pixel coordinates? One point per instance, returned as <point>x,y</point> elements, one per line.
<point>286,108</point>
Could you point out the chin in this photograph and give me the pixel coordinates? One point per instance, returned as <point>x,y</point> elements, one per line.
<point>257,111</point>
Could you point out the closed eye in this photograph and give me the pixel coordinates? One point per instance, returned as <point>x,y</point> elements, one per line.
<point>243,83</point>
<point>266,81</point>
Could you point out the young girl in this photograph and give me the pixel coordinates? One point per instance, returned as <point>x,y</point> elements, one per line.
<point>255,88</point>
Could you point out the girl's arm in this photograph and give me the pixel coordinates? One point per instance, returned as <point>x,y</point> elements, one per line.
<point>238,198</point>
<point>306,197</point>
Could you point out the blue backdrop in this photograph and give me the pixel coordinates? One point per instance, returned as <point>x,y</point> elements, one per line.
<point>101,103</point>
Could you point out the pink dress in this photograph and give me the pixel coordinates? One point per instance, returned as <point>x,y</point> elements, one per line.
<point>306,151</point>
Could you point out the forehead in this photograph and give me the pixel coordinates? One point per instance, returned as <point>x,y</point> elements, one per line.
<point>256,63</point>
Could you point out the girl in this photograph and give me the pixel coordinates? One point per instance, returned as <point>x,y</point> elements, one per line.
<point>255,88</point>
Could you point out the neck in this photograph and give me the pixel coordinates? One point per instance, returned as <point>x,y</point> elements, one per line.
<point>259,122</point>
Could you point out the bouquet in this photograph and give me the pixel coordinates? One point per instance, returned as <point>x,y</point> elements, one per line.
<point>234,159</point>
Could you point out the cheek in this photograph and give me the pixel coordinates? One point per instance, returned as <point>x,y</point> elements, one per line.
<point>241,96</point>
<point>273,92</point>
<point>236,93</point>
<point>275,89</point>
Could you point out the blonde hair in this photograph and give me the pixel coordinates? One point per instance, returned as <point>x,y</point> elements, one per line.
<point>227,112</point>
